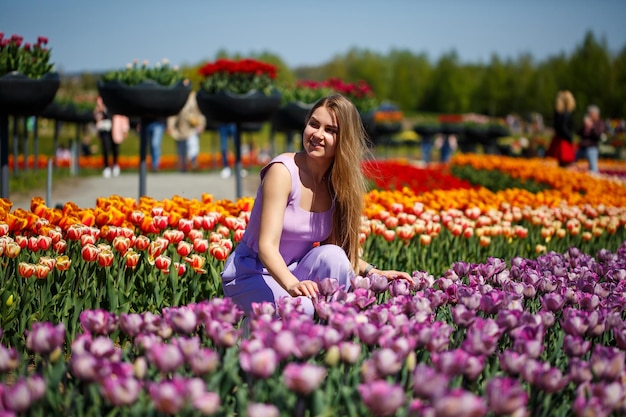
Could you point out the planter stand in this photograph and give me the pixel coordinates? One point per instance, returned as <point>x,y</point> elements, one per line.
<point>21,96</point>
<point>226,107</point>
<point>147,100</point>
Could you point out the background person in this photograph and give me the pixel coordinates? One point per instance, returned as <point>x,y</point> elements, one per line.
<point>562,145</point>
<point>156,129</point>
<point>315,195</point>
<point>189,122</point>
<point>590,136</point>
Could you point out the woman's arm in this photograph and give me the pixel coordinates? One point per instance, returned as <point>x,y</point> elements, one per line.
<point>276,187</point>
<point>366,268</point>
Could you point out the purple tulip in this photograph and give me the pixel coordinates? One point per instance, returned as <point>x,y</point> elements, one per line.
<point>120,392</point>
<point>382,398</point>
<point>204,361</point>
<point>151,322</point>
<point>399,287</point>
<point>579,371</point>
<point>207,403</point>
<point>98,321</point>
<point>450,362</point>
<point>512,362</point>
<point>223,334</point>
<point>469,297</point>
<point>482,337</point>
<point>328,286</point>
<point>528,340</point>
<point>575,346</point>
<point>368,333</point>
<point>263,309</point>
<point>508,319</point>
<point>607,363</point>
<point>188,346</point>
<point>18,397</point>
<point>262,410</point>
<point>103,347</point>
<point>358,281</point>
<point>387,362</point>
<point>460,403</point>
<point>574,321</point>
<point>182,319</point>
<point>165,357</point>
<point>131,324</point>
<point>309,340</point>
<point>428,383</point>
<point>260,363</point>
<point>505,396</point>
<point>349,352</point>
<point>363,298</point>
<point>380,283</point>
<point>168,396</point>
<point>146,340</point>
<point>303,378</point>
<point>9,358</point>
<point>553,301</point>
<point>43,338</point>
<point>84,366</point>
<point>491,302</point>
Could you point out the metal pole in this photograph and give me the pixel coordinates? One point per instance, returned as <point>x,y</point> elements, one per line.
<point>49,184</point>
<point>4,154</point>
<point>36,142</point>
<point>143,152</point>
<point>25,143</point>
<point>75,150</point>
<point>237,138</point>
<point>16,146</point>
<point>55,140</point>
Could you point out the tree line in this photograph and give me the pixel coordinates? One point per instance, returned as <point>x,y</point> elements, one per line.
<point>518,85</point>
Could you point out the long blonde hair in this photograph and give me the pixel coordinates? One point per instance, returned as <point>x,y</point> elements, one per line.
<point>565,102</point>
<point>347,182</point>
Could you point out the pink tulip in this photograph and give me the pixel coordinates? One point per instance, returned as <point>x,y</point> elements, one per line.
<point>505,396</point>
<point>382,398</point>
<point>43,338</point>
<point>188,346</point>
<point>460,403</point>
<point>120,392</point>
<point>303,378</point>
<point>328,286</point>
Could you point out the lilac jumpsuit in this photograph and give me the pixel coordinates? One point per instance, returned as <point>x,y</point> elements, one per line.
<point>245,280</point>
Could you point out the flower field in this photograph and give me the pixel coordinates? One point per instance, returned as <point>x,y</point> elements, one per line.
<point>517,307</point>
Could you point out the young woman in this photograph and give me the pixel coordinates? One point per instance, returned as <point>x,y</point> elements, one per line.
<point>315,195</point>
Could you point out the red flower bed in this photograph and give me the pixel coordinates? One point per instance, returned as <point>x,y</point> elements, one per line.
<point>395,175</point>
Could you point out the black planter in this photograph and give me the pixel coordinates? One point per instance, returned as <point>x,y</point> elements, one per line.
<point>23,96</point>
<point>145,100</point>
<point>386,129</point>
<point>476,134</point>
<point>67,113</point>
<point>226,107</point>
<point>426,130</point>
<point>498,131</point>
<point>291,117</point>
<point>451,129</point>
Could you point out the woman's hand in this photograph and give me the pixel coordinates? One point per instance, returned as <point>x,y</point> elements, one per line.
<point>304,288</point>
<point>392,275</point>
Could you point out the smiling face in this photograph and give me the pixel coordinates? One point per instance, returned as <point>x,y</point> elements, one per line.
<point>320,134</point>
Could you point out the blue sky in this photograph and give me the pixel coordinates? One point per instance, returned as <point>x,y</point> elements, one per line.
<point>99,35</point>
